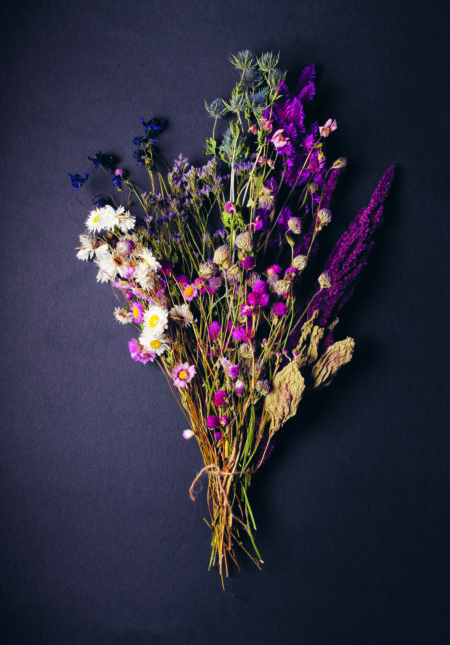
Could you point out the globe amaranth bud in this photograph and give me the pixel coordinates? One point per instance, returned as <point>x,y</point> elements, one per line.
<point>222,257</point>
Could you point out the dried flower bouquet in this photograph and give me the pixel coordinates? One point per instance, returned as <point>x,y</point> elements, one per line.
<point>214,268</point>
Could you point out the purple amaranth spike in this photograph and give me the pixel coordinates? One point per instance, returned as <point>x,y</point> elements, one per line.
<point>350,255</point>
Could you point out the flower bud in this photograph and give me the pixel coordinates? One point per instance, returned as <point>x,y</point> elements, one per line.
<point>222,257</point>
<point>244,242</point>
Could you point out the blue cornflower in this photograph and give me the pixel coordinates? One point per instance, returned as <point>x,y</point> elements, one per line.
<point>77,180</point>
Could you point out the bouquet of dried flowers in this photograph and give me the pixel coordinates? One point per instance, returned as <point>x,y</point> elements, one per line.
<point>214,268</point>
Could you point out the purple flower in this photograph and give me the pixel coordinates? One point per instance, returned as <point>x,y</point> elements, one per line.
<point>279,309</point>
<point>137,312</point>
<point>213,421</point>
<point>230,368</point>
<point>138,353</point>
<point>259,286</point>
<point>220,398</point>
<point>238,334</point>
<point>350,255</point>
<point>214,330</point>
<point>182,374</point>
<point>239,386</point>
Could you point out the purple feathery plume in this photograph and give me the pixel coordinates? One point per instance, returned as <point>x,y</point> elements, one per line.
<point>350,255</point>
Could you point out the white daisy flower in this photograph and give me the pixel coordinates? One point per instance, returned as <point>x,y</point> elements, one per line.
<point>144,275</point>
<point>107,269</point>
<point>87,249</point>
<point>147,256</point>
<point>126,221</point>
<point>156,345</point>
<point>155,321</point>
<point>121,315</point>
<point>104,218</point>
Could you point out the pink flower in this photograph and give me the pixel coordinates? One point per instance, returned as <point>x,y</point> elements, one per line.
<point>239,386</point>
<point>182,374</point>
<point>224,420</point>
<point>190,292</point>
<point>279,309</point>
<point>328,128</point>
<point>230,368</point>
<point>137,312</point>
<point>279,140</point>
<point>238,334</point>
<point>220,398</point>
<point>246,310</point>
<point>138,353</point>
<point>213,421</point>
<point>214,330</point>
<point>213,284</point>
<point>259,286</point>
<point>230,207</point>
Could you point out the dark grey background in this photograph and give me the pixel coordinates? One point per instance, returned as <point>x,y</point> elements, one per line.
<point>99,542</point>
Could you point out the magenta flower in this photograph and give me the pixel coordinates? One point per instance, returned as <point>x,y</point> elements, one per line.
<point>213,284</point>
<point>239,386</point>
<point>246,310</point>
<point>214,330</point>
<point>230,368</point>
<point>248,263</point>
<point>166,266</point>
<point>252,299</point>
<point>238,334</point>
<point>190,292</point>
<point>259,286</point>
<point>213,421</point>
<point>137,312</point>
<point>182,374</point>
<point>264,299</point>
<point>220,398</point>
<point>279,309</point>
<point>224,420</point>
<point>138,353</point>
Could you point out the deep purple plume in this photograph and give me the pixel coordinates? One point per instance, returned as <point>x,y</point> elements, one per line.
<point>350,255</point>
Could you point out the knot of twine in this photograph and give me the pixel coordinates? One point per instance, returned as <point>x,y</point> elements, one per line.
<point>218,472</point>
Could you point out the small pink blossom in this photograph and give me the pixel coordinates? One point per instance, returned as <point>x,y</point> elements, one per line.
<point>182,374</point>
<point>328,128</point>
<point>279,140</point>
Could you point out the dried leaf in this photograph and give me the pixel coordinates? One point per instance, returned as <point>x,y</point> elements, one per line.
<point>326,367</point>
<point>283,400</point>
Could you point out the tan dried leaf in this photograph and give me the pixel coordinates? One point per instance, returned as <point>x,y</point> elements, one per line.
<point>282,402</point>
<point>326,367</point>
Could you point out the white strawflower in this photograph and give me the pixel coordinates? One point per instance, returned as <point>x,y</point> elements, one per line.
<point>144,275</point>
<point>147,256</point>
<point>155,321</point>
<point>156,345</point>
<point>87,249</point>
<point>102,219</point>
<point>126,221</point>
<point>107,269</point>
<point>121,315</point>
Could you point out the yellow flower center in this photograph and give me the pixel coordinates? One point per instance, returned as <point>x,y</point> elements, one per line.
<point>96,218</point>
<point>188,291</point>
<point>155,344</point>
<point>183,375</point>
<point>153,320</point>
<point>135,312</point>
